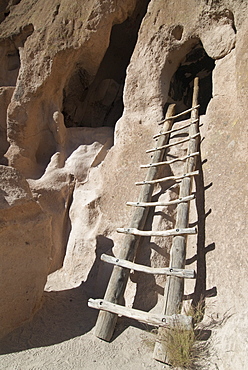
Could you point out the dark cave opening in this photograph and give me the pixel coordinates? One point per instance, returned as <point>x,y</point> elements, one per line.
<point>98,101</point>
<point>10,63</point>
<point>195,64</point>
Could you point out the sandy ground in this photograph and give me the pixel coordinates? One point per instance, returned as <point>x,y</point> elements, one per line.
<point>61,337</point>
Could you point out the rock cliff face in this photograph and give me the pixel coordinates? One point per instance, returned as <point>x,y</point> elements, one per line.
<point>82,87</point>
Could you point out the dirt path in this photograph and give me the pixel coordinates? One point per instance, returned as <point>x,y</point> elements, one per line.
<point>61,337</point>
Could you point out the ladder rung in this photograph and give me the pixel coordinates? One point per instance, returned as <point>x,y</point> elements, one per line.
<point>174,143</point>
<point>168,178</point>
<point>179,114</point>
<point>170,161</point>
<point>146,317</point>
<point>171,232</point>
<point>175,129</point>
<point>183,273</point>
<point>154,204</point>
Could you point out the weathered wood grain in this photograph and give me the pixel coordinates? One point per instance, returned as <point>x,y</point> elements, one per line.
<point>174,129</point>
<point>171,232</point>
<point>154,204</point>
<point>163,179</point>
<point>146,317</point>
<point>170,161</point>
<point>179,114</point>
<point>106,320</point>
<point>183,273</point>
<point>173,143</point>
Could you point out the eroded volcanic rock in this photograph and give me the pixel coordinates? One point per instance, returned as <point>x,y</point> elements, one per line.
<point>83,85</point>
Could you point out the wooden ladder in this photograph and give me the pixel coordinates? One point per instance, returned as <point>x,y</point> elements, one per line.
<point>110,306</point>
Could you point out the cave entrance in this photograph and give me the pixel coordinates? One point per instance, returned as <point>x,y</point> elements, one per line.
<point>195,64</point>
<point>98,101</point>
<point>10,63</point>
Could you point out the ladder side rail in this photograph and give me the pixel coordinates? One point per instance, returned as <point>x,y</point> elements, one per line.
<point>174,287</point>
<point>106,321</point>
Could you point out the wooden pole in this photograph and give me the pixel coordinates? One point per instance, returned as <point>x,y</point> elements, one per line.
<point>146,317</point>
<point>106,321</point>
<point>172,130</point>
<point>174,287</point>
<point>179,114</point>
<point>187,274</point>
<point>179,159</point>
<point>194,173</point>
<point>155,204</point>
<point>170,232</point>
<point>173,143</point>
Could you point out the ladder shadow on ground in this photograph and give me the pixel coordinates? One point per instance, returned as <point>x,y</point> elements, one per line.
<point>64,314</point>
<point>125,322</point>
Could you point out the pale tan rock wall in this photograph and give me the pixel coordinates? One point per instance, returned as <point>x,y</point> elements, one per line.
<point>25,250</point>
<point>222,265</point>
<point>51,39</point>
<point>225,148</point>
<point>59,43</point>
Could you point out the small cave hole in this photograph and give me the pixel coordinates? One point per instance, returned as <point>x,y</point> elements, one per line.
<point>195,64</point>
<point>13,60</point>
<point>177,32</point>
<point>95,101</point>
<point>10,64</point>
